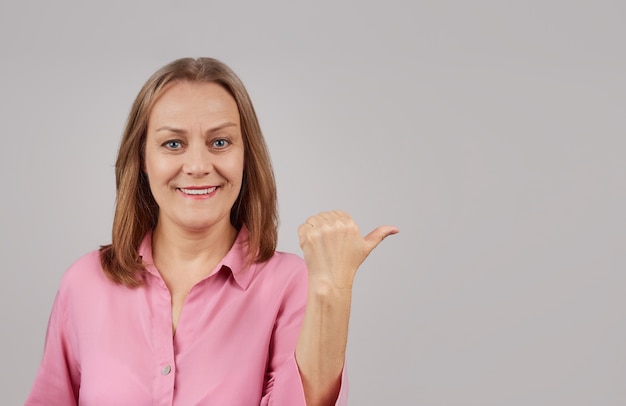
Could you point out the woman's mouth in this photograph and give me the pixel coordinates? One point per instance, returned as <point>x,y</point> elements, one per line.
<point>198,191</point>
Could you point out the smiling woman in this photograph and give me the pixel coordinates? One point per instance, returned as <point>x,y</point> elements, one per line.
<point>191,303</point>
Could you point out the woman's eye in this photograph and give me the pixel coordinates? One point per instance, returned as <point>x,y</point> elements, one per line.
<point>220,143</point>
<point>173,144</point>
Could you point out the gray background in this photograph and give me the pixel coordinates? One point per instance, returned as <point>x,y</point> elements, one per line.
<point>490,132</point>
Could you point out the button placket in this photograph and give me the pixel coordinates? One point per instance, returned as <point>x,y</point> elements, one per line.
<point>165,368</point>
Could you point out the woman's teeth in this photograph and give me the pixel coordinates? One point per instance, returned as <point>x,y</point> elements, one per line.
<point>198,191</point>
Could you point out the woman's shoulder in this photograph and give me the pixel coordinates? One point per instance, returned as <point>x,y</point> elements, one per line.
<point>285,262</point>
<point>282,269</point>
<point>284,274</point>
<point>287,257</point>
<point>85,273</point>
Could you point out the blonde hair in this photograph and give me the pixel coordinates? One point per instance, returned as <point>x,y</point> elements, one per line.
<point>136,211</point>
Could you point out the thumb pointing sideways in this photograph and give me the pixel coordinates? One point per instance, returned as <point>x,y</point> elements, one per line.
<point>377,235</point>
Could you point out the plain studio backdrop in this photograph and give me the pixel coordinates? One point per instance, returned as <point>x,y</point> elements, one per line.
<point>492,133</point>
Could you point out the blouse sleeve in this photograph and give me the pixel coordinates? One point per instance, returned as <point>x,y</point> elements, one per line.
<point>57,380</point>
<point>283,385</point>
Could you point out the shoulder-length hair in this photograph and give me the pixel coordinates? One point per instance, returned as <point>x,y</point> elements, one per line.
<point>136,211</point>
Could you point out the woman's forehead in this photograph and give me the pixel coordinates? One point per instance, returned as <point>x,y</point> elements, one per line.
<point>199,102</point>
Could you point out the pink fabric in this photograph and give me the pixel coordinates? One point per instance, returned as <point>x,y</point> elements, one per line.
<point>234,344</point>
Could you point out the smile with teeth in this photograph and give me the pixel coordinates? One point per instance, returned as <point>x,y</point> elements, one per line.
<point>198,191</point>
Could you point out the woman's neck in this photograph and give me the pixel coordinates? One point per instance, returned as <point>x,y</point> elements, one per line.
<point>176,248</point>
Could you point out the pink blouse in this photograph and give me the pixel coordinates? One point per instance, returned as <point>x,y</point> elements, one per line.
<point>234,344</point>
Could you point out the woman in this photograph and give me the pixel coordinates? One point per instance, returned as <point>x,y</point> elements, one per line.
<point>191,304</point>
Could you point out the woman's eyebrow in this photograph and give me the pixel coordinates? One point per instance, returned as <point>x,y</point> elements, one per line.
<point>181,131</point>
<point>170,129</point>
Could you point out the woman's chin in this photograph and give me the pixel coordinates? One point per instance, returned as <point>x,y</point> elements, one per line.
<point>206,225</point>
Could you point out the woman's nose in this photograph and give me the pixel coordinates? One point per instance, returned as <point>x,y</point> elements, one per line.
<point>197,161</point>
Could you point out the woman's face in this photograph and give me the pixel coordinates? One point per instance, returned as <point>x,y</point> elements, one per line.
<point>194,155</point>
